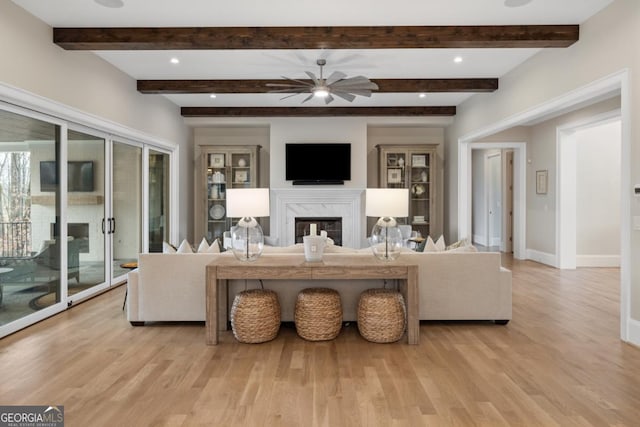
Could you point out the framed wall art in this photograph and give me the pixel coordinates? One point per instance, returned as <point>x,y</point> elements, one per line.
<point>394,176</point>
<point>216,160</point>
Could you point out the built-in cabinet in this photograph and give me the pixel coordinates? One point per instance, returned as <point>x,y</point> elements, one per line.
<point>413,167</point>
<point>221,167</point>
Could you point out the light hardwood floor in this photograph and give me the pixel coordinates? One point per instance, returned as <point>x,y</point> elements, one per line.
<point>558,362</point>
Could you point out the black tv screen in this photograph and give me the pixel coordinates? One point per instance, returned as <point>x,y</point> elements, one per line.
<point>79,176</point>
<point>315,163</point>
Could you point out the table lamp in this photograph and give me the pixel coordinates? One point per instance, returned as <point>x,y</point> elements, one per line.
<point>386,203</point>
<point>247,239</point>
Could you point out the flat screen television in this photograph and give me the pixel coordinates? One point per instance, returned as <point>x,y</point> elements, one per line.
<point>79,176</point>
<point>318,163</point>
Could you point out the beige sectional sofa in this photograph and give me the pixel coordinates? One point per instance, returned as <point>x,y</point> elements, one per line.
<point>453,286</point>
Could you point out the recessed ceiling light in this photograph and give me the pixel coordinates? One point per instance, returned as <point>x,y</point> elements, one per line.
<point>457,59</point>
<point>110,3</point>
<point>213,95</point>
<point>423,95</point>
<point>175,60</point>
<point>516,3</point>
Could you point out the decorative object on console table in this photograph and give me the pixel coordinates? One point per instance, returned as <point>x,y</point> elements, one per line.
<point>314,244</point>
<point>386,203</point>
<point>247,239</point>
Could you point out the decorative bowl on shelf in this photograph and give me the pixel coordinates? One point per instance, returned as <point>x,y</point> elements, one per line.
<point>217,212</point>
<point>417,190</point>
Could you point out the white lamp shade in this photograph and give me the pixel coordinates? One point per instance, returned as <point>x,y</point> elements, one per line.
<point>247,202</point>
<point>392,202</point>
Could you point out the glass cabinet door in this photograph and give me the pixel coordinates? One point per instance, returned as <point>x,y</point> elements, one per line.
<point>420,192</point>
<point>216,185</point>
<point>395,163</point>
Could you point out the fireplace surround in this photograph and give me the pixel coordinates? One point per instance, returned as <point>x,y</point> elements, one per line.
<point>345,203</point>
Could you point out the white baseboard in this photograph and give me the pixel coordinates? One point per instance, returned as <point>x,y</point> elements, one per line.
<point>597,260</point>
<point>542,257</point>
<point>480,239</point>
<point>496,241</point>
<point>634,332</point>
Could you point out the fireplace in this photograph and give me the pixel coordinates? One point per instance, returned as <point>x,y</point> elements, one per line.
<point>333,227</point>
<point>319,203</point>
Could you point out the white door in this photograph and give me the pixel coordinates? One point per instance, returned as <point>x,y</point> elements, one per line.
<point>494,199</point>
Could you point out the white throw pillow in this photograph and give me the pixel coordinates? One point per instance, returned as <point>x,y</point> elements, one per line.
<point>214,248</point>
<point>184,248</point>
<point>168,248</point>
<point>440,244</point>
<point>203,247</point>
<point>430,246</point>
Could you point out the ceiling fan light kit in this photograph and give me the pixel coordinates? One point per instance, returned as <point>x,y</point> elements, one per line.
<point>337,84</point>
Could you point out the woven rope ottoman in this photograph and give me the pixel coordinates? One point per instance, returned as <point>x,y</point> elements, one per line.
<point>382,315</point>
<point>318,314</point>
<point>255,316</point>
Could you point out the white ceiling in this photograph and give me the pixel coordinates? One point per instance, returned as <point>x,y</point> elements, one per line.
<point>273,64</point>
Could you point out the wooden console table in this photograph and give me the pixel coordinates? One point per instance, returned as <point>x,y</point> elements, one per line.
<point>294,266</point>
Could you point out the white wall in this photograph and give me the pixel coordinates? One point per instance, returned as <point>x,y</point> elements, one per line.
<point>598,194</point>
<point>607,46</point>
<point>339,129</point>
<point>85,82</point>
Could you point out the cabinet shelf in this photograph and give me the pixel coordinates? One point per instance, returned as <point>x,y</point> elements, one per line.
<point>418,173</point>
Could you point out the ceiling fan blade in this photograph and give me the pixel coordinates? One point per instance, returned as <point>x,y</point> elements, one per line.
<point>334,77</point>
<point>345,95</point>
<point>307,98</point>
<point>360,92</point>
<point>313,77</point>
<point>328,99</point>
<point>361,82</point>
<point>289,96</point>
<point>289,91</point>
<point>302,82</point>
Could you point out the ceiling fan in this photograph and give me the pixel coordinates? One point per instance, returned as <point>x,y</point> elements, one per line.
<point>337,84</point>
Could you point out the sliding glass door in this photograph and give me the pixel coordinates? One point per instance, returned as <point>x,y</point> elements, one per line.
<point>125,222</point>
<point>86,168</point>
<point>75,212</point>
<point>30,212</point>
<point>159,199</point>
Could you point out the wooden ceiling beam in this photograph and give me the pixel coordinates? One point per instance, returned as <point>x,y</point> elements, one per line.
<point>315,111</point>
<point>362,37</point>
<point>260,86</point>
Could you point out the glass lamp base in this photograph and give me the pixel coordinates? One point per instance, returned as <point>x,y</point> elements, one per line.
<point>247,240</point>
<point>386,241</point>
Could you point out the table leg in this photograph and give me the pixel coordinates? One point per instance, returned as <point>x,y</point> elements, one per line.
<point>211,318</point>
<point>409,290</point>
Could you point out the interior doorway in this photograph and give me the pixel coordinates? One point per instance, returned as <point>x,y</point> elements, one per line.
<point>589,192</point>
<point>492,199</point>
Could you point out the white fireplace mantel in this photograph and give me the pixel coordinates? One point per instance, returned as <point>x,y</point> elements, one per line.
<point>287,204</point>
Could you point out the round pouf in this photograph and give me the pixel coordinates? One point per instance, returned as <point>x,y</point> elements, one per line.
<point>255,316</point>
<point>381,315</point>
<point>318,314</point>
